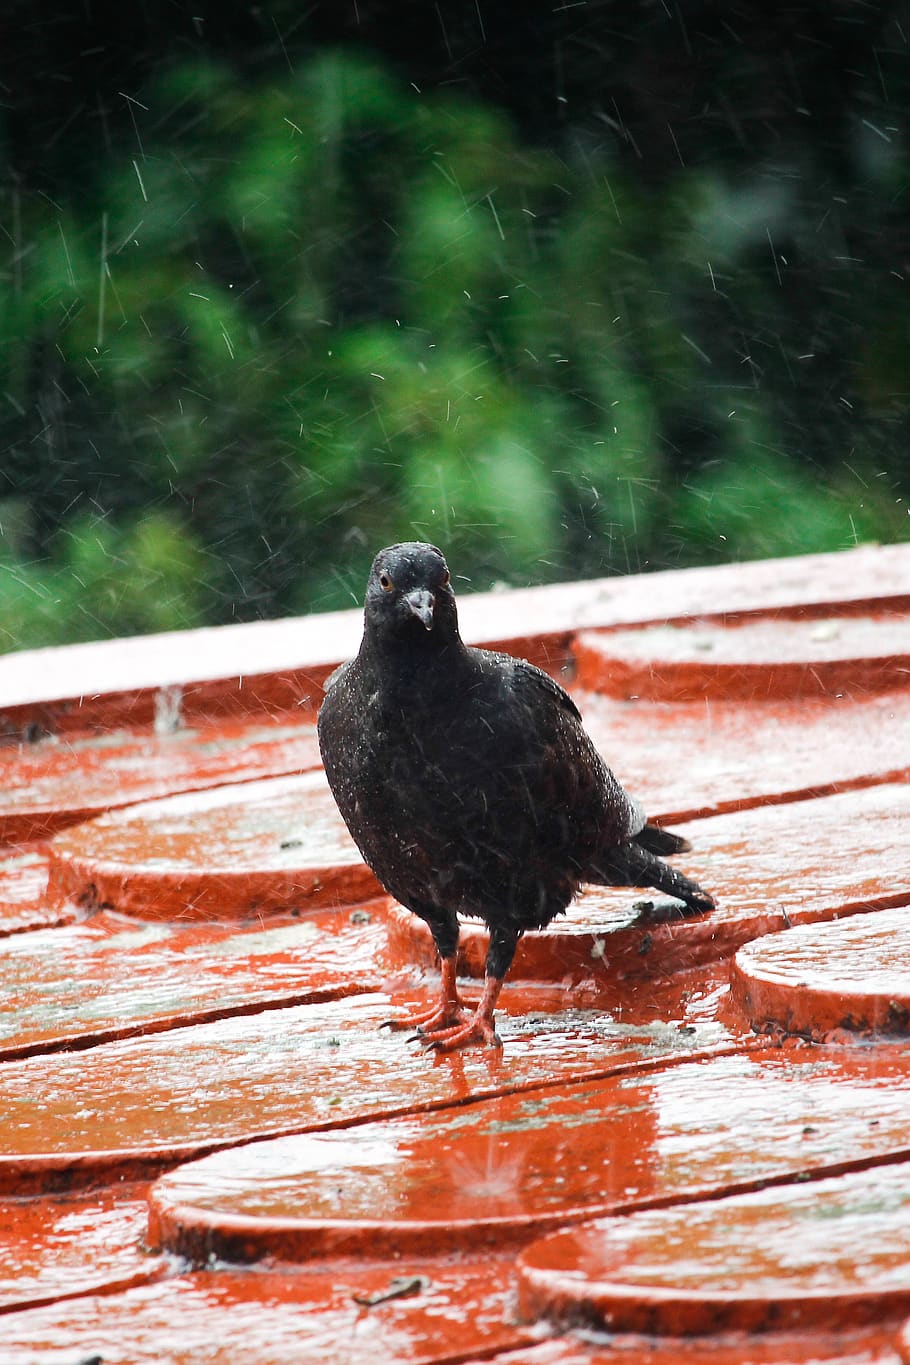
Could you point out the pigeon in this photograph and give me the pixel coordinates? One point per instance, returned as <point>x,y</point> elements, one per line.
<point>470,786</point>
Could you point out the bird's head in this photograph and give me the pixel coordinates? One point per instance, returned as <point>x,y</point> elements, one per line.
<point>409,594</point>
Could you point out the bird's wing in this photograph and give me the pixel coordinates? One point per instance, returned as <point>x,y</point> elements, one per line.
<point>336,675</point>
<point>638,818</point>
<point>529,674</point>
<point>628,813</point>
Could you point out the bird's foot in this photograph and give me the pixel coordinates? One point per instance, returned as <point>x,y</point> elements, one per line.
<point>445,1014</point>
<point>478,1028</point>
<point>449,1012</point>
<point>450,1024</point>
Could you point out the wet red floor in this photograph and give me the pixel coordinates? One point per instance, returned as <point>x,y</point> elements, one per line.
<point>695,1142</point>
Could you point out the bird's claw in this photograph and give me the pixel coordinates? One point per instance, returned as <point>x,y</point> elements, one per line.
<point>445,1015</point>
<point>477,1029</point>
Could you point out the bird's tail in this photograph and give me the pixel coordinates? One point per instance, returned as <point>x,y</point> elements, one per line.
<point>661,841</point>
<point>633,865</point>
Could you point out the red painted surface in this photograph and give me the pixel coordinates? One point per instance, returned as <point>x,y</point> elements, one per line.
<point>814,1346</point>
<point>690,759</point>
<point>240,998</point>
<point>24,902</point>
<point>863,1346</point>
<point>269,666</point>
<point>56,782</point>
<point>289,1070</point>
<point>769,868</point>
<point>233,852</point>
<point>61,1248</point>
<point>506,1169</point>
<point>110,977</point>
<point>834,1255</point>
<point>903,1342</point>
<point>853,975</point>
<point>284,1316</point>
<point>750,660</point>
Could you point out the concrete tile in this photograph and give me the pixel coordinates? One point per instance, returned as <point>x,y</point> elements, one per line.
<point>868,1346</point>
<point>23,892</point>
<point>853,975</point>
<point>58,781</point>
<point>61,1248</point>
<point>276,1316</point>
<point>689,759</point>
<point>834,1255</point>
<point>505,1169</point>
<point>148,1102</point>
<point>111,977</point>
<point>769,868</point>
<point>748,660</point>
<point>228,853</point>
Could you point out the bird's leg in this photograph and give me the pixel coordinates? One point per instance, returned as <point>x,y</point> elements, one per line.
<point>480,1027</point>
<point>449,1010</point>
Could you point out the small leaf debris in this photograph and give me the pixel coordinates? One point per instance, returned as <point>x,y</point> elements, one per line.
<point>401,1287</point>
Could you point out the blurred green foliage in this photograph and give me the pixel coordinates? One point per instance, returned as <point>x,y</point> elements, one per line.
<point>308,312</point>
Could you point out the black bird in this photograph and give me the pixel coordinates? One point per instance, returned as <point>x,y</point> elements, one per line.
<point>470,785</point>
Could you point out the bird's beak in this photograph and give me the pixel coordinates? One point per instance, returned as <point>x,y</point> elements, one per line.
<point>421,603</point>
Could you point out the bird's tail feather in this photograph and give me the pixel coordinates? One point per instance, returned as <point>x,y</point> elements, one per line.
<point>632,865</point>
<point>661,841</point>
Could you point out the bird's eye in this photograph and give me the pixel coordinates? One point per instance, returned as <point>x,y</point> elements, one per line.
<point>385,582</point>
<point>444,581</point>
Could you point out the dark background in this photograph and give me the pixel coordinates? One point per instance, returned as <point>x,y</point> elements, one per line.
<point>570,290</point>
